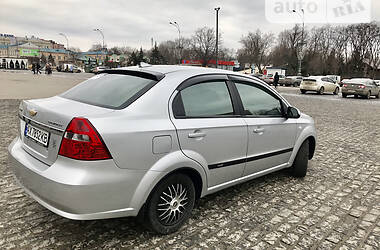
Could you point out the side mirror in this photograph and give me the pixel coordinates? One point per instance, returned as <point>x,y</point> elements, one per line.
<point>293,112</point>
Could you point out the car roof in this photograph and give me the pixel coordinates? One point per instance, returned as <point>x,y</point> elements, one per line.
<point>159,70</point>
<point>362,79</point>
<point>166,69</point>
<point>314,77</point>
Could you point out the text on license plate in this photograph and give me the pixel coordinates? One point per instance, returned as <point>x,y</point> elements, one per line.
<point>37,134</point>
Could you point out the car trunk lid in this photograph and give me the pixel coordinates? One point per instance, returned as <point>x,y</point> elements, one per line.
<point>43,122</point>
<point>353,85</point>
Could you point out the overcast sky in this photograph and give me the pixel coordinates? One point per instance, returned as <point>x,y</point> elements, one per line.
<point>134,23</point>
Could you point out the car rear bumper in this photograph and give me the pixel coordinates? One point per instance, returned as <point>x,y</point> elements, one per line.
<point>309,87</point>
<point>74,189</point>
<point>362,92</point>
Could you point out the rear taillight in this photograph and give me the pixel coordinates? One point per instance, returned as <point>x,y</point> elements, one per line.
<point>81,141</point>
<point>345,85</point>
<point>362,86</point>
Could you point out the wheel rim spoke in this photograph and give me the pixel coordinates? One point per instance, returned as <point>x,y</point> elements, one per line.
<point>172,204</point>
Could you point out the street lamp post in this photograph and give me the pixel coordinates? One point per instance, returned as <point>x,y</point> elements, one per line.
<point>176,25</point>
<point>101,33</point>
<point>67,42</point>
<point>300,53</point>
<point>217,36</point>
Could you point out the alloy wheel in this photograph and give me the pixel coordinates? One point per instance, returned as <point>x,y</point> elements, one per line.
<point>172,204</point>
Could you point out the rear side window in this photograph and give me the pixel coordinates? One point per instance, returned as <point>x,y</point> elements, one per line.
<point>208,99</point>
<point>113,91</point>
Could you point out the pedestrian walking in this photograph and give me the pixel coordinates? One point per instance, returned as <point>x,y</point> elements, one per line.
<point>38,68</point>
<point>34,68</point>
<point>276,78</point>
<point>48,69</point>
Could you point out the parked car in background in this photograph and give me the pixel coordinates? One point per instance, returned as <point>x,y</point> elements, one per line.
<point>260,76</point>
<point>377,82</point>
<point>268,78</point>
<point>363,87</point>
<point>281,80</point>
<point>150,141</point>
<point>319,84</point>
<point>335,78</point>
<point>99,69</point>
<point>294,81</point>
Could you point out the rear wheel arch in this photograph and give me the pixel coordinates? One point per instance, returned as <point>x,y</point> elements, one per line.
<point>194,175</point>
<point>312,145</point>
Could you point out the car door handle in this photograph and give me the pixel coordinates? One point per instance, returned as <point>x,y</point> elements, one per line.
<point>258,130</point>
<point>197,135</point>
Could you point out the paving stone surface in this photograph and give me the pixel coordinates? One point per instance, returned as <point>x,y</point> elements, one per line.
<point>336,206</point>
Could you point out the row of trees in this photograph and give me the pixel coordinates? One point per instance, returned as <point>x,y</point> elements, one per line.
<point>352,50</point>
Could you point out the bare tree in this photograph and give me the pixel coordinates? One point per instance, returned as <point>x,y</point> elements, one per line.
<point>374,52</point>
<point>75,49</point>
<point>168,51</point>
<point>360,38</point>
<point>96,47</point>
<point>285,53</point>
<point>256,48</point>
<point>203,44</point>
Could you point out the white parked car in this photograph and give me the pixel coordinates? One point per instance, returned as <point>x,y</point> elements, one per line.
<point>319,84</point>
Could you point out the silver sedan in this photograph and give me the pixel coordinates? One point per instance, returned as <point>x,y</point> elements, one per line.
<point>149,141</point>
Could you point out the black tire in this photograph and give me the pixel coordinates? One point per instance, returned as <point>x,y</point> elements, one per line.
<point>161,198</point>
<point>344,95</point>
<point>321,91</point>
<point>300,163</point>
<point>368,95</point>
<point>378,95</point>
<point>303,91</point>
<point>336,91</point>
<point>355,96</point>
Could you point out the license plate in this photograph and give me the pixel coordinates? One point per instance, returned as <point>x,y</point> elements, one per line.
<point>37,134</point>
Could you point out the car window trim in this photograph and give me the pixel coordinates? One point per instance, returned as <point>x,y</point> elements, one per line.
<point>251,82</point>
<point>177,100</point>
<point>132,99</point>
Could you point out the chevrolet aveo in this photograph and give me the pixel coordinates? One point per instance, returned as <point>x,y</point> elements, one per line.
<point>150,141</point>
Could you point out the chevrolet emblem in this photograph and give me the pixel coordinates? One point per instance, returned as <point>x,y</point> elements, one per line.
<point>32,112</point>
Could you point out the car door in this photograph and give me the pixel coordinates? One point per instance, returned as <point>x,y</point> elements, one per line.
<point>209,129</point>
<point>375,89</point>
<point>332,84</point>
<point>271,136</point>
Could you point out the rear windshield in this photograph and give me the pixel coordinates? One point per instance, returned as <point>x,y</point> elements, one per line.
<point>113,91</point>
<point>310,80</point>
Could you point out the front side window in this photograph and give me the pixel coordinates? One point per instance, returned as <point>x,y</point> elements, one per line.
<point>207,99</point>
<point>258,102</point>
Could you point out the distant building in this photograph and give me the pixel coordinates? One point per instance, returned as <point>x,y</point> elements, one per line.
<point>59,55</point>
<point>268,70</point>
<point>99,56</point>
<point>7,39</point>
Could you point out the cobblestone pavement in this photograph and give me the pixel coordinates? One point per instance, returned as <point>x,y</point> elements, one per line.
<point>336,206</point>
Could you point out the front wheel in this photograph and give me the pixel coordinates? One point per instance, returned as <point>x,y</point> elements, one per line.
<point>300,163</point>
<point>321,90</point>
<point>170,204</point>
